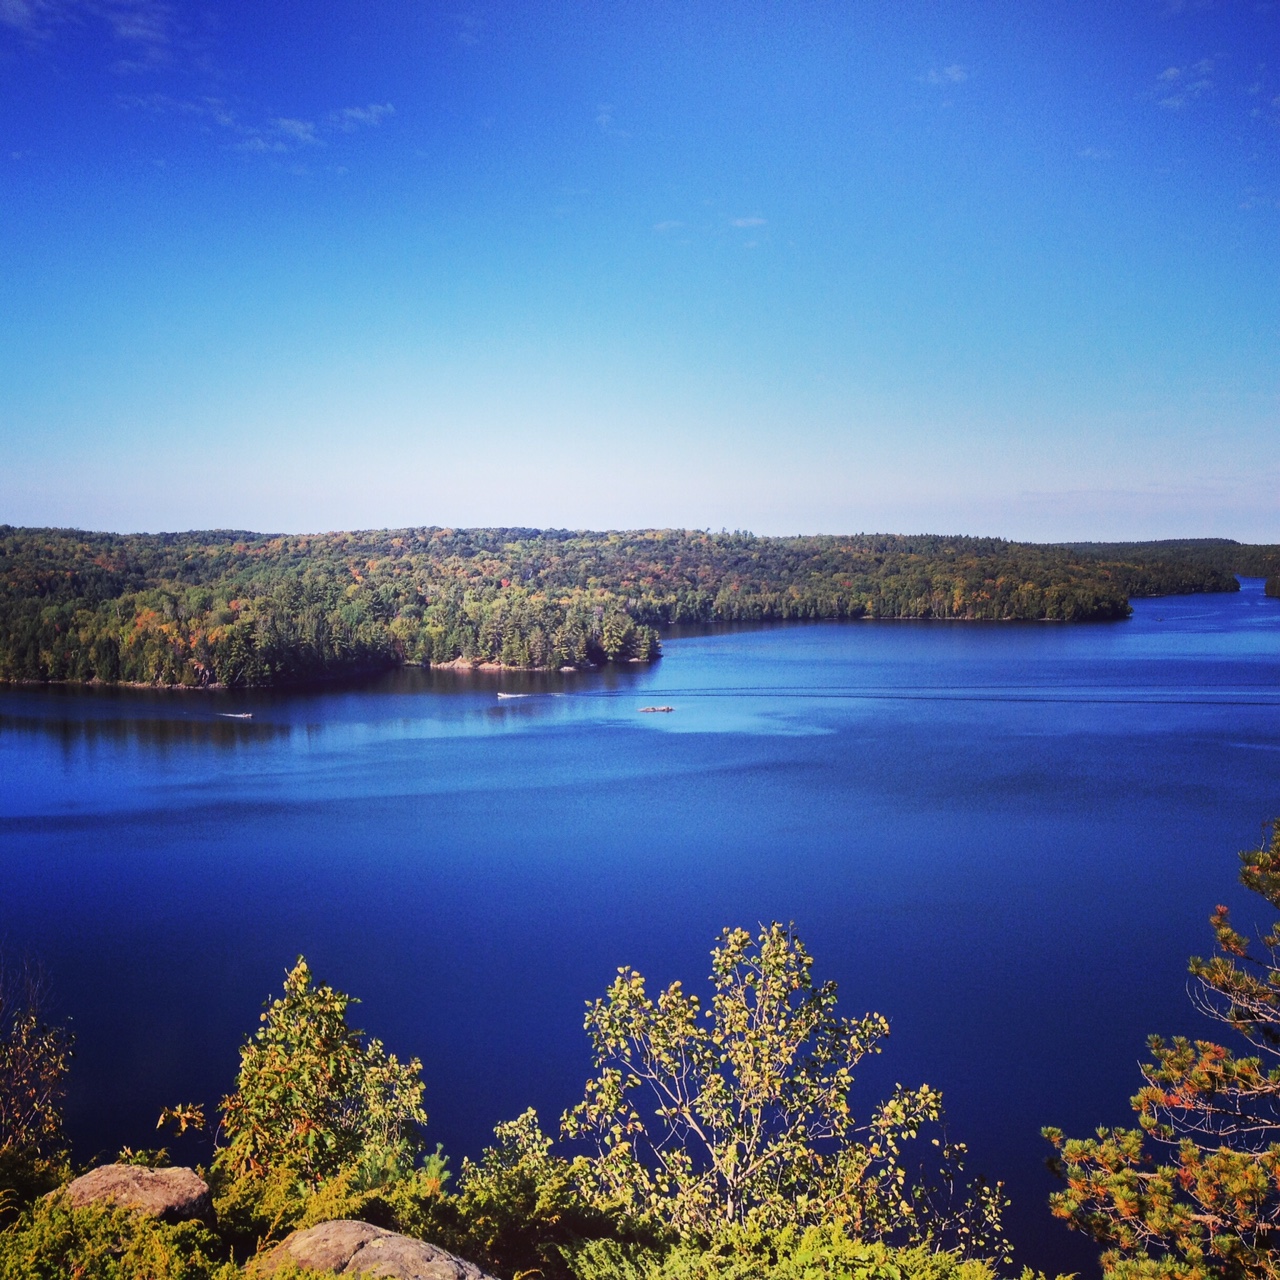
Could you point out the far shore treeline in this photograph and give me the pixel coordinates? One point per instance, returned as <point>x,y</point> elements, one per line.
<point>230,608</point>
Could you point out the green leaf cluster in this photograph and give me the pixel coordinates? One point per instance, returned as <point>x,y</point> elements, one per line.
<point>521,1209</point>
<point>789,1253</point>
<point>54,1241</point>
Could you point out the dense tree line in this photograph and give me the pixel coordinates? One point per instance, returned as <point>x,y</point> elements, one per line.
<point>1222,557</point>
<point>237,608</point>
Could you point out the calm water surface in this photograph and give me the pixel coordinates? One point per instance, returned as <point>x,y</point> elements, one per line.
<point>1006,838</point>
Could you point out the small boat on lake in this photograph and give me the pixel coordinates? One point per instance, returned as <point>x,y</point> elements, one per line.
<point>643,710</point>
<point>236,715</point>
<point>513,695</point>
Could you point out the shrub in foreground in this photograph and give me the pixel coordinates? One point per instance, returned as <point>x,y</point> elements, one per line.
<point>323,1123</point>
<point>54,1241</point>
<point>745,1161</point>
<point>793,1253</point>
<point>34,1057</point>
<point>522,1209</point>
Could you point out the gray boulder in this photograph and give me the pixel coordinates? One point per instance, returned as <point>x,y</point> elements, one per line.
<point>174,1194</point>
<point>359,1249</point>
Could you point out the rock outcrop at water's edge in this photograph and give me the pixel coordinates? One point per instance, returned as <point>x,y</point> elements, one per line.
<point>350,1248</point>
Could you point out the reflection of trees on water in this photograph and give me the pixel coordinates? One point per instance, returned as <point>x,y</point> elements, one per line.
<point>160,720</point>
<point>451,680</point>
<point>149,731</point>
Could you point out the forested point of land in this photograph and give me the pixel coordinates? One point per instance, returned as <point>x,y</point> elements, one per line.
<point>1219,554</point>
<point>232,608</point>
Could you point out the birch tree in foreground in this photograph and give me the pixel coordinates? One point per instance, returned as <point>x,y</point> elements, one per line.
<point>739,1113</point>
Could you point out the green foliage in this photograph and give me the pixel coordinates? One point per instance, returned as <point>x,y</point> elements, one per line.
<point>739,1114</point>
<point>186,1115</point>
<point>319,1110</point>
<point>1171,559</point>
<point>230,608</point>
<point>790,1253</point>
<point>254,1211</point>
<point>144,1157</point>
<point>1211,1207</point>
<point>519,1207</point>
<point>325,1124</point>
<point>314,1095</point>
<point>53,1241</point>
<point>34,1057</point>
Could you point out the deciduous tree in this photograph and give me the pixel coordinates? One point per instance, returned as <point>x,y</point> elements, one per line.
<point>315,1096</point>
<point>740,1113</point>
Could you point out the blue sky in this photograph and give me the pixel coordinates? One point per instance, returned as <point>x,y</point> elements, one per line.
<point>998,268</point>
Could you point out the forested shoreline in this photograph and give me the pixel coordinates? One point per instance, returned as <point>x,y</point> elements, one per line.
<point>233,608</point>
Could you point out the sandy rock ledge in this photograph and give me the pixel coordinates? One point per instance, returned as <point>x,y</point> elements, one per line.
<point>174,1194</point>
<point>357,1248</point>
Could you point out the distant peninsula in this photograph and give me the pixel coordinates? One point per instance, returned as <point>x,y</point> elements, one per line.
<point>234,609</point>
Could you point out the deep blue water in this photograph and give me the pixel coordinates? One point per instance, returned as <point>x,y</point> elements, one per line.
<point>1007,838</point>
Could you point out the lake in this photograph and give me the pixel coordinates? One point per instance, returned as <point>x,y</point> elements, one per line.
<point>1006,837</point>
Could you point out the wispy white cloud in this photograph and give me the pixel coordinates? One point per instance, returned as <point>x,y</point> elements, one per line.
<point>213,111</point>
<point>145,27</point>
<point>749,222</point>
<point>1265,106</point>
<point>953,74</point>
<point>302,132</point>
<point>670,224</point>
<point>350,119</point>
<point>143,31</point>
<point>257,144</point>
<point>1094,153</point>
<point>275,136</point>
<point>1175,86</point>
<point>35,19</point>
